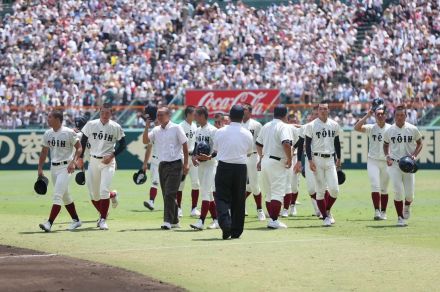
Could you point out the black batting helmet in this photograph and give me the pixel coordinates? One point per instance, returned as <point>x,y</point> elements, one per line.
<point>407,164</point>
<point>80,122</point>
<point>203,148</point>
<point>80,178</point>
<point>376,103</point>
<point>341,176</point>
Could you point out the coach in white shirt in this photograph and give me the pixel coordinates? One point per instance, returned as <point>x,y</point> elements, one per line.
<point>232,143</point>
<point>170,141</point>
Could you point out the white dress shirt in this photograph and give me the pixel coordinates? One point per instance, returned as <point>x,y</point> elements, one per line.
<point>233,143</point>
<point>168,141</point>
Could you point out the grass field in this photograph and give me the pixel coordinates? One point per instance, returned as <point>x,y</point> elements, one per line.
<point>357,253</point>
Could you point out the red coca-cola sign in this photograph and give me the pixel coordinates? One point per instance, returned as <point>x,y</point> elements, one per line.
<point>221,101</point>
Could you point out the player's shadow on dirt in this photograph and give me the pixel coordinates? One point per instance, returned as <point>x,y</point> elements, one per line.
<point>61,230</point>
<point>146,211</point>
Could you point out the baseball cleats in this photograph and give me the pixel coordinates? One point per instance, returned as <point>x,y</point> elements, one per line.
<point>180,212</point>
<point>195,212</point>
<point>377,215</point>
<point>260,214</point>
<point>383,215</point>
<point>214,225</point>
<point>114,198</point>
<point>175,226</point>
<point>198,225</point>
<point>406,211</point>
<point>293,211</point>
<point>74,225</point>
<point>275,224</point>
<point>285,213</point>
<point>102,224</point>
<point>401,222</point>
<point>166,226</point>
<point>327,221</point>
<point>332,219</point>
<point>46,226</point>
<point>149,205</point>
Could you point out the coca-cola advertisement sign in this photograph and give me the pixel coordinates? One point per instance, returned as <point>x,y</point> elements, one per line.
<point>221,101</point>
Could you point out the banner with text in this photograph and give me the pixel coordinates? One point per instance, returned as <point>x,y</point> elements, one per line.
<point>221,101</point>
<point>20,150</point>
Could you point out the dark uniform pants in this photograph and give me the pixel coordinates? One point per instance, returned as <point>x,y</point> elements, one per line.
<point>230,187</point>
<point>170,175</point>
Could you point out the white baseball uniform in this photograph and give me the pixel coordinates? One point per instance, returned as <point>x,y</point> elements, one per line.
<point>154,166</point>
<point>206,169</point>
<point>190,132</point>
<point>61,144</point>
<point>253,181</point>
<point>323,151</point>
<point>273,176</point>
<point>310,178</point>
<point>292,185</point>
<point>402,142</point>
<point>377,164</point>
<point>102,139</point>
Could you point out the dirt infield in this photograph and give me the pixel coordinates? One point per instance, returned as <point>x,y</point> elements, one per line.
<point>28,270</point>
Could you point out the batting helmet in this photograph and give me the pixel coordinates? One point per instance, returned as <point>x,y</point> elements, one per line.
<point>80,178</point>
<point>40,185</point>
<point>341,176</point>
<point>377,102</point>
<point>183,177</point>
<point>80,122</point>
<point>203,148</point>
<point>407,164</point>
<point>303,172</point>
<point>140,177</point>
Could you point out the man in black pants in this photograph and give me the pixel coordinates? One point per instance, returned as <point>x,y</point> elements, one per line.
<point>232,143</point>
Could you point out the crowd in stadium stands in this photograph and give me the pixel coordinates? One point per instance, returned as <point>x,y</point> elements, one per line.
<point>77,54</point>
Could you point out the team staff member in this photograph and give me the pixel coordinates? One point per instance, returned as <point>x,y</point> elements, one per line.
<point>190,131</point>
<point>401,139</point>
<point>64,150</point>
<point>171,142</point>
<point>275,158</point>
<point>322,145</point>
<point>206,165</point>
<point>107,140</point>
<point>232,143</point>
<point>376,164</point>
<point>253,185</point>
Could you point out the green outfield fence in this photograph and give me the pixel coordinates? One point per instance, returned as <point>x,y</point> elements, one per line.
<point>20,149</point>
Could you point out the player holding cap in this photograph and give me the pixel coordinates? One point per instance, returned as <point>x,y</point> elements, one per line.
<point>376,164</point>
<point>190,131</point>
<point>64,150</point>
<point>107,140</point>
<point>401,139</point>
<point>322,144</point>
<point>253,182</point>
<point>275,153</point>
<point>206,168</point>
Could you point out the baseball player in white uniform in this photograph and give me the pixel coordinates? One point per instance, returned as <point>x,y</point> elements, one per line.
<point>376,164</point>
<point>190,129</point>
<point>151,161</point>
<point>79,124</point>
<point>322,145</point>
<point>401,139</point>
<point>292,186</point>
<point>275,159</point>
<point>206,165</point>
<point>64,150</point>
<point>107,140</point>
<point>253,185</point>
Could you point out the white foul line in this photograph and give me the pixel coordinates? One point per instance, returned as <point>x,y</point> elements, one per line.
<point>28,256</point>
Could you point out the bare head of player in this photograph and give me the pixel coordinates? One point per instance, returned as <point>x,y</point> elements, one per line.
<point>323,112</point>
<point>163,116</point>
<point>55,119</point>
<point>190,111</point>
<point>313,114</point>
<point>380,116</point>
<point>105,113</point>
<point>201,115</point>
<point>247,112</point>
<point>400,116</point>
